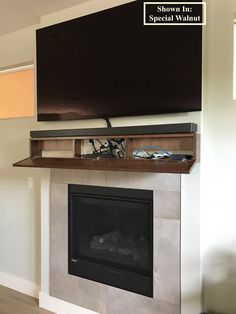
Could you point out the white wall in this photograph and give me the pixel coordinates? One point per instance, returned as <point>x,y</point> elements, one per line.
<point>19,205</point>
<point>17,47</point>
<point>20,47</point>
<point>218,161</point>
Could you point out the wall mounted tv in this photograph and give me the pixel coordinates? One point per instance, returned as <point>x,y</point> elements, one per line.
<point>108,64</point>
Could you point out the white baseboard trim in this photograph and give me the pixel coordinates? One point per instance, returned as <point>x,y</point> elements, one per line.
<point>60,307</point>
<point>19,284</point>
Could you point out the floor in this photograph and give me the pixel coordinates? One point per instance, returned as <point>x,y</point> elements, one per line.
<point>13,302</point>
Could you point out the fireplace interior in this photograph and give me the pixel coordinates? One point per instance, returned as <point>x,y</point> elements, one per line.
<point>111,236</point>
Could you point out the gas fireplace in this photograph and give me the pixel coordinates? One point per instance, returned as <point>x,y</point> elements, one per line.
<point>111,236</point>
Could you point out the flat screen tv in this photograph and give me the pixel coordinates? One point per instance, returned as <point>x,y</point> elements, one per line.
<point>108,64</point>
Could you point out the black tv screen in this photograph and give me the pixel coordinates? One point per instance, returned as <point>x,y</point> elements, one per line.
<point>108,64</point>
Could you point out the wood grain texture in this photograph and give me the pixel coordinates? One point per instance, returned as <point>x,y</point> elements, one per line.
<point>115,164</point>
<point>13,302</point>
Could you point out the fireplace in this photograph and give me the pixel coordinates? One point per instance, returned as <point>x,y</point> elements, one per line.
<point>111,236</point>
<point>106,298</point>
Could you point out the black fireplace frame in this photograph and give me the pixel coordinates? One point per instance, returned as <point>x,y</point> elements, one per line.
<point>123,279</point>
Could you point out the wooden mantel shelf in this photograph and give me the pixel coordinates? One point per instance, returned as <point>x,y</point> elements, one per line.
<point>163,166</point>
<point>42,144</point>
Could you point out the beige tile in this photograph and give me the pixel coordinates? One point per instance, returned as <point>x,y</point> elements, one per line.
<point>143,180</point>
<point>124,302</point>
<point>167,204</point>
<point>58,196</point>
<point>59,227</point>
<point>167,260</point>
<point>75,176</point>
<point>82,292</point>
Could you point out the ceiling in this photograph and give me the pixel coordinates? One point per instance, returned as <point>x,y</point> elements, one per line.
<point>17,14</point>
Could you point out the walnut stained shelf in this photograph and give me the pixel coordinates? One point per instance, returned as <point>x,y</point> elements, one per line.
<point>62,148</point>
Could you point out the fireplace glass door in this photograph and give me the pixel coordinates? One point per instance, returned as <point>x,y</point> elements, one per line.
<point>110,236</point>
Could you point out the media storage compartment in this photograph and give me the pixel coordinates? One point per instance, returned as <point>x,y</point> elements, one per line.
<point>111,236</point>
<point>65,148</point>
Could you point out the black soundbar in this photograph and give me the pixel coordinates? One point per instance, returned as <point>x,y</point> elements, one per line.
<point>119,131</point>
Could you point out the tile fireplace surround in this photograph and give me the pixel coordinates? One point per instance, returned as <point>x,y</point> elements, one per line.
<point>105,299</point>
